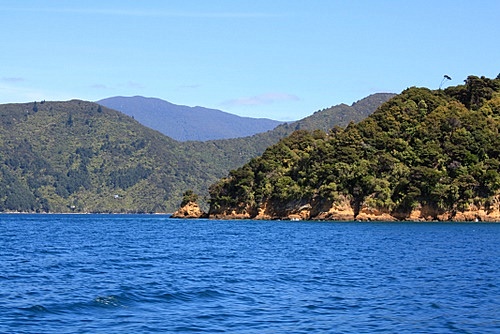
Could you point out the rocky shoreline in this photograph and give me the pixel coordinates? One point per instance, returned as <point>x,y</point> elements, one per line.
<point>343,211</point>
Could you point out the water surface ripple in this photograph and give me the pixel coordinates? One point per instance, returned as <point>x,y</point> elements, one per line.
<point>149,273</point>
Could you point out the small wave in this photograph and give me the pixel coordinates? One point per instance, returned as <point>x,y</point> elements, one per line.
<point>125,300</point>
<point>78,306</point>
<point>36,309</point>
<point>108,301</point>
<point>435,306</point>
<point>175,296</point>
<point>188,296</point>
<point>209,294</point>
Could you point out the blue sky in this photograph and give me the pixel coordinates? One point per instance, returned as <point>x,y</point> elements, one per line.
<point>276,59</point>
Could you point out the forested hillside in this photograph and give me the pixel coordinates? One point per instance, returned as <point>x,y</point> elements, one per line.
<point>423,155</point>
<point>232,153</point>
<point>78,156</point>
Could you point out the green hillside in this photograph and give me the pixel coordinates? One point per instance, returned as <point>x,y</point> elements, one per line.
<point>434,149</point>
<point>77,156</point>
<point>233,153</point>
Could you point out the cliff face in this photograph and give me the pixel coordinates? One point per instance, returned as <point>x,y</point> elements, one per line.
<point>343,210</point>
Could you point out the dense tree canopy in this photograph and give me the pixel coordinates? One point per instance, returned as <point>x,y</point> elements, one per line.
<point>438,148</point>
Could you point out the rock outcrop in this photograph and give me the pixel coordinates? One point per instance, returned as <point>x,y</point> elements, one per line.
<point>190,210</point>
<point>339,210</point>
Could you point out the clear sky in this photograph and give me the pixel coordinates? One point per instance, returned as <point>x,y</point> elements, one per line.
<point>279,59</point>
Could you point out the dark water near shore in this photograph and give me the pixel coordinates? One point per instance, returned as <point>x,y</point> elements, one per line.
<point>143,274</point>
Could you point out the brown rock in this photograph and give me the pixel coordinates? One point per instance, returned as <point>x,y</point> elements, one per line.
<point>374,215</point>
<point>262,213</point>
<point>190,210</point>
<point>341,210</point>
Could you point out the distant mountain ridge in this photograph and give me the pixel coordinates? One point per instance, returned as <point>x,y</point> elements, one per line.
<point>185,123</point>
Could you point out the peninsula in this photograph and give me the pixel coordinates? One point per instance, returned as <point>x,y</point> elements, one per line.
<point>423,155</point>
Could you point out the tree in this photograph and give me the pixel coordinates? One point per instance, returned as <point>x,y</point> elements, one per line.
<point>188,196</point>
<point>69,122</point>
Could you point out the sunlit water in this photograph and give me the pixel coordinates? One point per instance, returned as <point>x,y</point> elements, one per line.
<point>145,273</point>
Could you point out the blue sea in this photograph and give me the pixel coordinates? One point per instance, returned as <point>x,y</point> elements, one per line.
<point>153,274</point>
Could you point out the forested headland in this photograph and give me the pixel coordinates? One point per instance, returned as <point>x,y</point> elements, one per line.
<point>423,155</point>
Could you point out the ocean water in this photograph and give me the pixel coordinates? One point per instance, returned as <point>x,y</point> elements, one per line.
<point>149,274</point>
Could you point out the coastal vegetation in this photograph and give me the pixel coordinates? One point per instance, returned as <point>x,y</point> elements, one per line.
<point>424,154</point>
<point>78,156</point>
